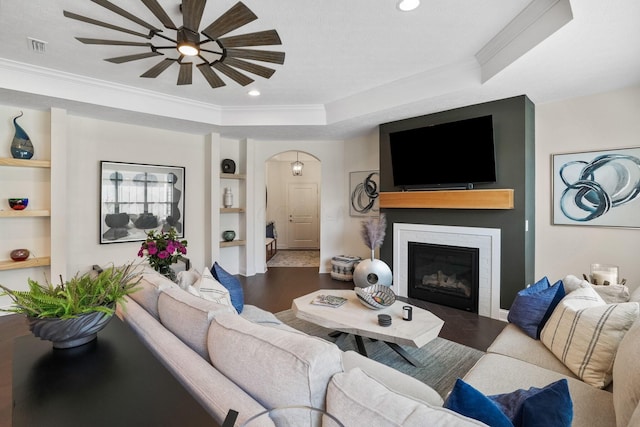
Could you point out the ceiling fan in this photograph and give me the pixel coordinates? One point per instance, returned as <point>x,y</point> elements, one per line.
<point>213,51</point>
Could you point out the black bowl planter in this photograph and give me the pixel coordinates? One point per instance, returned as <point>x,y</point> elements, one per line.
<point>69,333</point>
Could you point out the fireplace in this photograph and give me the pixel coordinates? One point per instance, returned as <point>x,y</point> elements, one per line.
<point>443,274</point>
<point>485,240</point>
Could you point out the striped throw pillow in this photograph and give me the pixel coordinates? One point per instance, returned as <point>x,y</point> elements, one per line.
<point>584,333</point>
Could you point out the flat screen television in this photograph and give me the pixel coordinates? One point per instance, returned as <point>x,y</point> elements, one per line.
<point>450,155</point>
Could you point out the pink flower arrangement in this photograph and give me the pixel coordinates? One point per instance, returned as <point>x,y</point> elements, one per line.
<point>162,249</point>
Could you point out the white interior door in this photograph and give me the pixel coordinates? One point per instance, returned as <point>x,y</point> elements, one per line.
<point>302,225</point>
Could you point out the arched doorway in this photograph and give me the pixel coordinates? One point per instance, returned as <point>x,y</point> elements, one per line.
<point>292,202</point>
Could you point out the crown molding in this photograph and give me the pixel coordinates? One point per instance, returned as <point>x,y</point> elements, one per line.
<point>539,20</point>
<point>58,85</point>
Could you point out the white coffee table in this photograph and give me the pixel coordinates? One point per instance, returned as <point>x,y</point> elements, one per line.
<point>354,318</point>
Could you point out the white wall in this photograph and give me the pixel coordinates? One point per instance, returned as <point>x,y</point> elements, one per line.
<point>363,154</point>
<point>599,122</point>
<point>89,142</point>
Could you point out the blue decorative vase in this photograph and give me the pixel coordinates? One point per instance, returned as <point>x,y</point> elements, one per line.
<point>21,146</point>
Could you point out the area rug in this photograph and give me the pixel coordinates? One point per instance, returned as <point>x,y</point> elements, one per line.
<point>289,258</point>
<point>442,361</point>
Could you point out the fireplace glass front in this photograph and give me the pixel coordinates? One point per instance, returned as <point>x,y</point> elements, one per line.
<point>446,275</point>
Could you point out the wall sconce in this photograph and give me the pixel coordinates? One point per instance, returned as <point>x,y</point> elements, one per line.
<point>296,167</point>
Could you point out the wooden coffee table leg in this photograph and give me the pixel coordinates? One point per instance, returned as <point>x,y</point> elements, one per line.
<point>361,349</point>
<point>402,352</point>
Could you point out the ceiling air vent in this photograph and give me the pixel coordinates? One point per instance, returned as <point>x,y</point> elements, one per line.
<point>37,46</point>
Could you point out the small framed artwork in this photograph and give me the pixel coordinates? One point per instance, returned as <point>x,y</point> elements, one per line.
<point>138,198</point>
<point>364,189</point>
<point>597,188</point>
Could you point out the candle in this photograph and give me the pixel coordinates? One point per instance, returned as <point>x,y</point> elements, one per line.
<point>604,274</point>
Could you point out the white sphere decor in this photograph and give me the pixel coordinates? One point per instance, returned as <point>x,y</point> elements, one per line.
<point>372,272</point>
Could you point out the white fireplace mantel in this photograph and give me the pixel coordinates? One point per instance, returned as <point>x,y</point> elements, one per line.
<point>487,240</point>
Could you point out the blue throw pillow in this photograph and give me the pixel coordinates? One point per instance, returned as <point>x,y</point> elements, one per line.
<point>538,407</point>
<point>535,407</point>
<point>467,401</point>
<point>232,284</point>
<point>533,306</point>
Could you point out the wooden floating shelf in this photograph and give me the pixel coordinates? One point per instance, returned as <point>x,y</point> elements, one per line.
<point>231,210</point>
<point>25,163</point>
<point>25,213</point>
<point>233,176</point>
<point>449,199</point>
<point>28,263</point>
<point>224,244</point>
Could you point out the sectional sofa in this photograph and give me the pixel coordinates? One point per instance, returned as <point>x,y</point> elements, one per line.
<point>251,362</point>
<point>517,361</point>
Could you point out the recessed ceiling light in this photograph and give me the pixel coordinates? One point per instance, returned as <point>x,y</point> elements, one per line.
<point>407,5</point>
<point>254,92</point>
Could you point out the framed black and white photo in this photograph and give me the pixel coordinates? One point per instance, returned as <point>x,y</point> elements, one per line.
<point>597,188</point>
<point>364,189</point>
<point>138,198</point>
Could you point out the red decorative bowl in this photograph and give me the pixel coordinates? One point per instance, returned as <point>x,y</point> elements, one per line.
<point>19,254</point>
<point>19,203</point>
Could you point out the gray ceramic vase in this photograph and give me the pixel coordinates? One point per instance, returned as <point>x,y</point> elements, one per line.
<point>371,272</point>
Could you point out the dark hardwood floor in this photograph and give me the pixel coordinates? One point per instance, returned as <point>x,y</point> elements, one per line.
<point>272,291</point>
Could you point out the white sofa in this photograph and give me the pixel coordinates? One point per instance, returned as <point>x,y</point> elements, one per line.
<point>251,362</point>
<point>516,361</point>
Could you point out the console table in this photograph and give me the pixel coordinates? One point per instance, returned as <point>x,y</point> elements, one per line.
<point>112,381</point>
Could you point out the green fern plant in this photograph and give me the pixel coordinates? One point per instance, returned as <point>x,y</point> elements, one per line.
<point>82,294</point>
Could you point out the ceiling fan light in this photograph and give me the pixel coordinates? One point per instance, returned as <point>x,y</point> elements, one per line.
<point>188,42</point>
<point>408,5</point>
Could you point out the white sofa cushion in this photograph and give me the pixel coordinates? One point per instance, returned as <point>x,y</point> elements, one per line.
<point>275,366</point>
<point>392,378</point>
<point>357,399</point>
<point>214,391</point>
<point>497,374</point>
<point>626,377</point>
<point>513,342</point>
<point>188,317</point>
<point>584,333</point>
<point>208,287</point>
<point>610,294</point>
<point>150,287</point>
<point>187,278</point>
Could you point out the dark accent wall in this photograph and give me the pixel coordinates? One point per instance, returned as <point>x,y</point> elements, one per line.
<point>514,133</point>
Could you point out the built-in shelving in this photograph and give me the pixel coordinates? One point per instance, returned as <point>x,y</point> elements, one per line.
<point>25,213</point>
<point>28,163</point>
<point>449,199</point>
<point>224,244</point>
<point>233,176</point>
<point>231,210</point>
<point>28,263</point>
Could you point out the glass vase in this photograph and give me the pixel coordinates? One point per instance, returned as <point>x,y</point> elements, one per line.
<point>167,272</point>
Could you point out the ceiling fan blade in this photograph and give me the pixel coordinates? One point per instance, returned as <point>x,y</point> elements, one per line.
<point>112,42</point>
<point>233,74</point>
<point>112,7</point>
<point>185,74</point>
<point>192,13</point>
<point>155,71</point>
<point>104,24</point>
<point>256,69</point>
<point>159,12</point>
<point>127,58</point>
<point>257,55</point>
<point>211,76</point>
<point>260,38</point>
<point>233,18</point>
